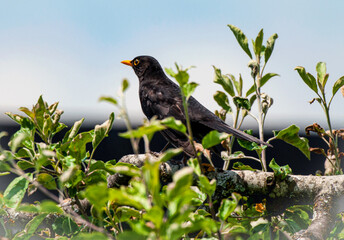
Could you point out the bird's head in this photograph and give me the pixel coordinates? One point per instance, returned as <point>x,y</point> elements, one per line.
<point>144,66</point>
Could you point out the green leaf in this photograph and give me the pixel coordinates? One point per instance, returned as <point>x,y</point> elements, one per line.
<point>39,110</point>
<point>213,138</point>
<point>98,195</point>
<point>48,206</point>
<point>251,146</point>
<point>30,228</point>
<point>73,131</point>
<point>241,38</point>
<point>149,129</point>
<point>126,213</point>
<point>101,131</point>
<point>280,171</point>
<point>337,85</point>
<point>135,196</point>
<point>58,128</point>
<point>15,192</point>
<point>170,72</point>
<point>238,84</point>
<point>170,153</point>
<point>241,166</point>
<point>21,138</point>
<point>193,162</point>
<point>72,177</point>
<point>260,231</point>
<point>300,213</point>
<point>242,103</point>
<point>15,117</point>
<point>52,108</point>
<point>109,165</point>
<point>47,181</point>
<point>47,125</point>
<point>151,177</point>
<point>29,113</point>
<point>237,154</point>
<point>321,72</point>
<point>253,99</point>
<point>127,169</point>
<point>270,47</point>
<point>77,147</point>
<point>27,208</point>
<point>310,81</point>
<point>175,124</point>
<point>182,180</point>
<point>263,80</point>
<point>188,89</point>
<point>97,176</point>
<point>206,186</point>
<point>226,208</point>
<point>224,81</point>
<point>96,164</point>
<point>4,166</point>
<point>66,226</point>
<point>125,85</point>
<point>109,100</point>
<point>258,43</point>
<point>182,76</point>
<point>291,135</point>
<point>222,100</point>
<point>155,215</point>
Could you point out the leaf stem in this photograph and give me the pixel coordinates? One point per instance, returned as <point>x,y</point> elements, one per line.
<point>261,119</point>
<point>333,138</point>
<point>212,211</point>
<point>124,114</point>
<point>188,125</point>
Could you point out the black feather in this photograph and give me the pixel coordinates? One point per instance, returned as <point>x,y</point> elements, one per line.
<point>161,97</point>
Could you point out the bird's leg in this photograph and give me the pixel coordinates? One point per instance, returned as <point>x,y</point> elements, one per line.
<point>185,159</point>
<point>164,148</point>
<point>157,154</point>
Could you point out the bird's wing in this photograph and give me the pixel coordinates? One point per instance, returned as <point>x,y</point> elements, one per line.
<point>162,101</point>
<point>165,101</point>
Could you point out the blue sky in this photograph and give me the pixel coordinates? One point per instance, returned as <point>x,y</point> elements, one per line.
<point>70,51</point>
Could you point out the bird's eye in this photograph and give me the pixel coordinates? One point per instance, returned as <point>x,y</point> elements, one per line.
<point>136,61</point>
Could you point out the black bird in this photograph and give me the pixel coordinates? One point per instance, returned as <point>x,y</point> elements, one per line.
<point>161,97</point>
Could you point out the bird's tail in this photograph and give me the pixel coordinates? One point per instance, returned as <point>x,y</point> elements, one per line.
<point>240,134</point>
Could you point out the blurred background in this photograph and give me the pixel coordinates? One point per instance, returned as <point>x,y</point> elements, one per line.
<point>70,52</point>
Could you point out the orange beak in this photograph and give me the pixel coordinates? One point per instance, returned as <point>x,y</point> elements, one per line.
<point>127,62</point>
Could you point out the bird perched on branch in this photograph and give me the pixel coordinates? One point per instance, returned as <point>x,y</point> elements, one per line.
<point>162,98</point>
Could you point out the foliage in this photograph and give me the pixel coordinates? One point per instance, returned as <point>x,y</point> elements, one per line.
<point>243,103</point>
<point>330,137</point>
<point>144,209</point>
<point>66,165</point>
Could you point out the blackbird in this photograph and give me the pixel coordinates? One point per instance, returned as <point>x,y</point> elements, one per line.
<point>161,97</point>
